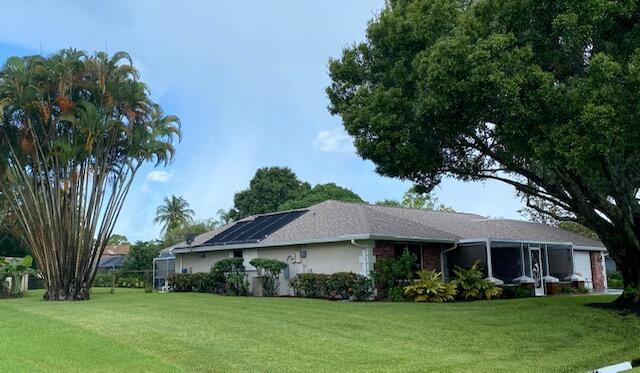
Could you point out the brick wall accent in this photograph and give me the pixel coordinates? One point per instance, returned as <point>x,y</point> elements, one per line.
<point>383,250</point>
<point>597,274</point>
<point>431,257</point>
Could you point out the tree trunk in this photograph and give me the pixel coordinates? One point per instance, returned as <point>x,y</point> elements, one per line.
<point>628,263</point>
<point>77,291</point>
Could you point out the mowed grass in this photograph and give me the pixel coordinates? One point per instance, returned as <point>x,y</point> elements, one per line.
<point>133,331</point>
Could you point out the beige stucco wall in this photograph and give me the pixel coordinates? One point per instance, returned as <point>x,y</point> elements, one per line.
<point>321,258</point>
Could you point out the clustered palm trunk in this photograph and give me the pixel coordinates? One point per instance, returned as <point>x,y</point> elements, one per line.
<point>75,130</point>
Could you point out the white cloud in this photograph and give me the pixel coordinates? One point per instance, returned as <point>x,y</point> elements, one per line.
<point>159,176</point>
<point>335,140</point>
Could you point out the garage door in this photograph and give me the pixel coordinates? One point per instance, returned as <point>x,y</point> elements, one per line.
<point>582,262</point>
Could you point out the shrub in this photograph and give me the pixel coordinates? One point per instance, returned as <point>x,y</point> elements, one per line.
<point>516,291</point>
<point>269,274</point>
<point>396,294</point>
<point>631,294</point>
<point>233,272</point>
<point>103,280</point>
<point>181,282</point>
<point>471,284</point>
<point>340,285</point>
<point>430,288</point>
<point>310,285</point>
<point>393,272</point>
<point>614,280</point>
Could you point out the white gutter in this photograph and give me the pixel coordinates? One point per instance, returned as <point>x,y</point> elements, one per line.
<point>194,249</point>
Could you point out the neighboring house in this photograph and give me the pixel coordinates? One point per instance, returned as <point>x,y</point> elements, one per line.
<point>113,256</point>
<point>337,236</point>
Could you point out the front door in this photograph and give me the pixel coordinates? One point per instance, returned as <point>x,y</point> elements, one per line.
<point>536,269</point>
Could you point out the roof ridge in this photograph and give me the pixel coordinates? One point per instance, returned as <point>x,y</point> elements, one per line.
<point>367,204</point>
<point>413,222</point>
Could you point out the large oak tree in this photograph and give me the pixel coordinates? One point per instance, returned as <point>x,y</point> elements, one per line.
<point>539,94</point>
<point>74,130</point>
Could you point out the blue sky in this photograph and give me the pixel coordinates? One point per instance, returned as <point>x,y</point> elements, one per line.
<point>247,80</point>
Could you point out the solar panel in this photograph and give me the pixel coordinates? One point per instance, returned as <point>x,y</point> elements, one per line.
<point>255,230</point>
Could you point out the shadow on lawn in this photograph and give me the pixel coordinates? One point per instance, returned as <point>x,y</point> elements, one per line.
<point>621,308</point>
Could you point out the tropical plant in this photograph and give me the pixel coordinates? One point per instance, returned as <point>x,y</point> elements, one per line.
<point>13,271</point>
<point>430,288</point>
<point>269,274</point>
<point>534,94</point>
<point>393,272</point>
<point>471,283</point>
<point>173,213</point>
<point>75,129</point>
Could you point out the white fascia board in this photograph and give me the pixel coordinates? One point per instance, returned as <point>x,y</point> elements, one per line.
<point>256,245</point>
<point>559,243</point>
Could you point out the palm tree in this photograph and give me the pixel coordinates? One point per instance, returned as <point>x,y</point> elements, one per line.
<point>173,213</point>
<point>75,129</point>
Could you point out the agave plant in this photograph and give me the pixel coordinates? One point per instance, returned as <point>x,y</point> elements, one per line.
<point>14,269</point>
<point>430,288</point>
<point>74,130</point>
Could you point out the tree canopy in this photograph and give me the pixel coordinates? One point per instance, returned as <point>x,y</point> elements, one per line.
<point>269,188</point>
<point>536,94</point>
<point>278,189</point>
<point>74,130</point>
<point>141,255</point>
<point>117,239</point>
<point>173,213</point>
<point>320,193</point>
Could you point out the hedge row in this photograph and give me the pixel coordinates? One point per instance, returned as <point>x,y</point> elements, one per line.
<point>340,285</point>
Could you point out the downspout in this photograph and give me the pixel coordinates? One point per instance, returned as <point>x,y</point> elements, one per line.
<point>365,257</point>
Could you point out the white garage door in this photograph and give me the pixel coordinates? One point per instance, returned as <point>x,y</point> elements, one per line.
<point>582,262</point>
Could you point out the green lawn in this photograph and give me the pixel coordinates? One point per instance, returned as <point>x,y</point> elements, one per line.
<point>133,331</point>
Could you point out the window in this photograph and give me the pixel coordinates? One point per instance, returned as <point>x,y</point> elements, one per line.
<point>414,249</point>
<point>237,253</point>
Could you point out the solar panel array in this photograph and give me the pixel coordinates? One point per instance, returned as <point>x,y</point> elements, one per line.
<point>252,231</point>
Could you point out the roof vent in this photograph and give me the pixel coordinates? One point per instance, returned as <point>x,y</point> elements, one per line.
<point>189,237</point>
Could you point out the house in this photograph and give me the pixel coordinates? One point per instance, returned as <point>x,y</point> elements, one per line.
<point>113,256</point>
<point>337,236</point>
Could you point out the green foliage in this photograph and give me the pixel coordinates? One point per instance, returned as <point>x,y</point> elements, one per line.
<point>310,285</point>
<point>181,282</point>
<point>76,129</point>
<point>516,291</point>
<point>318,194</point>
<point>533,94</point>
<point>269,188</point>
<point>430,288</point>
<point>389,202</point>
<point>173,213</point>
<point>337,286</point>
<point>471,284</point>
<point>141,255</point>
<point>396,294</point>
<point>269,274</point>
<point>393,272</point>
<point>233,272</point>
<point>614,280</point>
<point>631,294</point>
<point>14,270</point>
<point>117,239</point>
<point>416,199</point>
<point>197,227</point>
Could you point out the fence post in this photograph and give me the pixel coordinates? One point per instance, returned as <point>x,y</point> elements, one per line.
<point>113,281</point>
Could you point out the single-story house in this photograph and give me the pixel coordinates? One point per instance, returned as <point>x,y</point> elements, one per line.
<point>337,236</point>
<point>113,256</point>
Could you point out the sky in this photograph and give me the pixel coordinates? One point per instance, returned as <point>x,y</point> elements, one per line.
<point>247,79</point>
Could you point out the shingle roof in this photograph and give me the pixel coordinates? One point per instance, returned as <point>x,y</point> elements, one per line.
<point>117,250</point>
<point>335,221</point>
<point>111,261</point>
